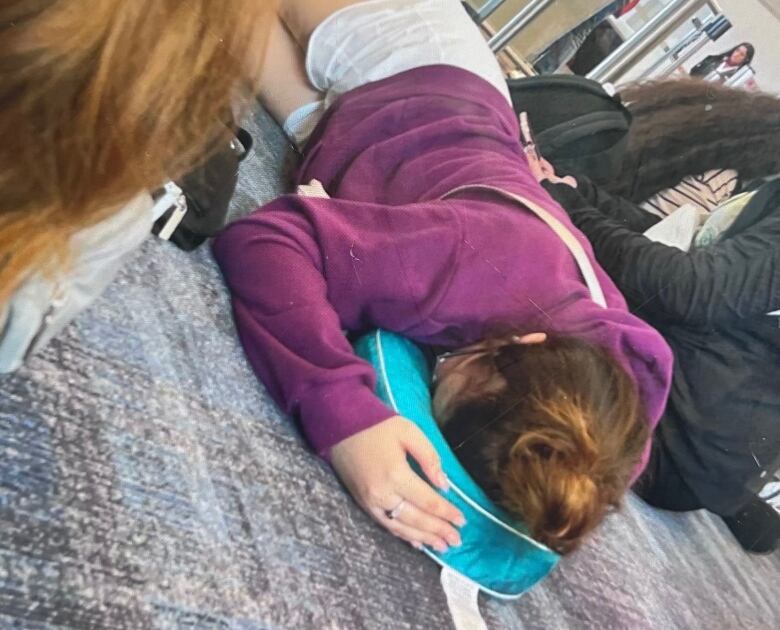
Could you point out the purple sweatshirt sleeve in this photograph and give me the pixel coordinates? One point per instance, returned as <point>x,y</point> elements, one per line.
<point>290,332</point>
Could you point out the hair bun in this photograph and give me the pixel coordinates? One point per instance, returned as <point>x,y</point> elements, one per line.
<point>558,446</point>
<point>547,479</point>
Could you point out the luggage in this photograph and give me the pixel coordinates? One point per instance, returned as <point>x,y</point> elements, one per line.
<point>195,207</point>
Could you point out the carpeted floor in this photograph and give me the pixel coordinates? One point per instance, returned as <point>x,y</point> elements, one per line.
<point>147,481</point>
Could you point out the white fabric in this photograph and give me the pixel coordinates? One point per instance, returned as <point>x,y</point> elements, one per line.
<point>376,39</point>
<point>43,306</point>
<point>300,124</point>
<point>771,492</point>
<point>679,228</point>
<point>313,189</point>
<point>722,72</point>
<point>706,192</point>
<point>463,600</point>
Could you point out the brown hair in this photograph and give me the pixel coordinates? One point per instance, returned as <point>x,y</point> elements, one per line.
<point>103,99</point>
<point>687,127</point>
<point>558,445</point>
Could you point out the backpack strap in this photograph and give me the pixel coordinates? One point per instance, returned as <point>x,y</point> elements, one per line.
<point>562,80</point>
<point>560,135</point>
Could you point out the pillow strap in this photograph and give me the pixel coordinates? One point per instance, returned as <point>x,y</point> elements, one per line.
<point>462,599</point>
<point>572,244</point>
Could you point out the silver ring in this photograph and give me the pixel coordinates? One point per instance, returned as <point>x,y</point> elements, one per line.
<point>396,511</point>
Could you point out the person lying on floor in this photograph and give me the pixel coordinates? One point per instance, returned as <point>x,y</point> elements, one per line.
<point>423,234</point>
<point>720,433</point>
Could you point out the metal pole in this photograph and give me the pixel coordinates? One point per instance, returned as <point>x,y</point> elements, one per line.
<point>683,58</point>
<point>715,7</point>
<point>686,41</point>
<point>668,19</point>
<point>487,9</point>
<point>690,37</point>
<point>523,18</point>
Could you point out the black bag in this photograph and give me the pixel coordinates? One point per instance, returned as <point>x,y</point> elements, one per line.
<point>196,206</point>
<point>579,127</point>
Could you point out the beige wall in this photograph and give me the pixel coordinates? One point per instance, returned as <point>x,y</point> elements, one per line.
<point>757,24</point>
<point>548,26</point>
<point>753,21</point>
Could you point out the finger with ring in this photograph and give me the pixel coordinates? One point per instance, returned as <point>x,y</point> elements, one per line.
<point>411,534</point>
<point>395,512</point>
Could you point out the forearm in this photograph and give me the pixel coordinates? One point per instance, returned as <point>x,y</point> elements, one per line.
<point>657,280</point>
<point>641,269</point>
<point>715,285</point>
<point>588,195</point>
<point>292,334</point>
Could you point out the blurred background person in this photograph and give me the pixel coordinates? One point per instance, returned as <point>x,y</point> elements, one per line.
<point>562,50</point>
<point>720,68</point>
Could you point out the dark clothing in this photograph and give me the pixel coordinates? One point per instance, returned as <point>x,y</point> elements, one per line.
<point>600,44</point>
<point>662,486</point>
<point>706,65</point>
<point>564,48</point>
<point>756,526</point>
<point>712,63</point>
<point>721,428</point>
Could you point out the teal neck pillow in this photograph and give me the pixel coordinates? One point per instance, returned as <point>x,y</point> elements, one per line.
<point>497,553</point>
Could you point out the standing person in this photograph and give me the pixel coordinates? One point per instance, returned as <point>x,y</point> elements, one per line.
<point>435,228</point>
<point>562,50</point>
<point>720,68</point>
<point>102,102</point>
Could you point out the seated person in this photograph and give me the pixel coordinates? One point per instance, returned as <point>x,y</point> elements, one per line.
<point>719,440</point>
<point>683,129</point>
<point>563,49</point>
<point>424,235</point>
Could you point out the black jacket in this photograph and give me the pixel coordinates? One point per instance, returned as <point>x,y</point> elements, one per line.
<point>721,428</point>
<point>708,64</point>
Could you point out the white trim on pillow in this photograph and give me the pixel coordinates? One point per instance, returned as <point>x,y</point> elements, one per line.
<point>463,495</point>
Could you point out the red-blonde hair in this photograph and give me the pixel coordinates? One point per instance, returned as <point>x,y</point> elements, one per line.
<point>103,99</point>
<point>558,445</point>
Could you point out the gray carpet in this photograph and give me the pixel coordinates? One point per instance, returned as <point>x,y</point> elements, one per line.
<point>147,481</point>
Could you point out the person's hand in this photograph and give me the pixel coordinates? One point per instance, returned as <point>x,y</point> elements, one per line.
<point>542,170</point>
<point>373,466</point>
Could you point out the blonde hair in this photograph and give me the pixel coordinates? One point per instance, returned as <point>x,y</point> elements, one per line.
<point>103,99</point>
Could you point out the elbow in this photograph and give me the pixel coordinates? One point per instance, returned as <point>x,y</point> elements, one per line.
<point>254,245</point>
<point>233,240</point>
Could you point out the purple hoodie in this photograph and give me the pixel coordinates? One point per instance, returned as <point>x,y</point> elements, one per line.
<point>385,252</point>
